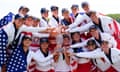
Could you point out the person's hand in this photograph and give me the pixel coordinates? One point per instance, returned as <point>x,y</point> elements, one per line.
<point>54,33</point>
<point>67,30</point>
<point>57,46</point>
<point>50,29</point>
<point>70,54</point>
<point>55,53</point>
<point>65,27</point>
<point>64,50</point>
<point>56,56</point>
<point>66,47</point>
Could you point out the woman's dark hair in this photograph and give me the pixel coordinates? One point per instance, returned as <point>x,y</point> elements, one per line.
<point>24,38</point>
<point>92,42</point>
<point>66,36</point>
<point>72,34</point>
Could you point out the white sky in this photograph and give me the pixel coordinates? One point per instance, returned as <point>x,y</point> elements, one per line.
<point>103,6</point>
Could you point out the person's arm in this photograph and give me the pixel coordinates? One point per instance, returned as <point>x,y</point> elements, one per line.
<point>82,28</point>
<point>29,57</point>
<point>92,54</point>
<point>116,51</point>
<point>33,29</point>
<point>81,44</point>
<point>78,20</point>
<point>67,57</point>
<point>41,35</point>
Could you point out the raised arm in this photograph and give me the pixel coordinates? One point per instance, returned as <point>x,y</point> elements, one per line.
<point>93,54</point>
<point>82,28</point>
<point>78,20</point>
<point>33,29</point>
<point>40,35</point>
<point>81,44</point>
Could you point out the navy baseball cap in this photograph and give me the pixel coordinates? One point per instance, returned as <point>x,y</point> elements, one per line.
<point>24,7</point>
<point>53,8</point>
<point>91,12</point>
<point>36,19</point>
<point>28,16</point>
<point>93,27</point>
<point>43,10</point>
<point>17,16</point>
<point>74,6</point>
<point>84,4</point>
<point>42,40</point>
<point>65,10</point>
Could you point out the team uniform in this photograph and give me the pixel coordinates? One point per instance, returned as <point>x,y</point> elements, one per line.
<point>54,22</point>
<point>102,61</point>
<point>83,64</point>
<point>80,20</point>
<point>106,24</point>
<point>66,22</point>
<point>73,16</point>
<point>44,62</point>
<point>61,65</point>
<point>44,22</point>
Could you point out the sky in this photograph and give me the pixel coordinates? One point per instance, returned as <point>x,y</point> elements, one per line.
<point>103,6</point>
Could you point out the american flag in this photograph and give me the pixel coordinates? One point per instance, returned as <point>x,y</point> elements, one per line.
<point>6,19</point>
<point>3,44</point>
<point>18,61</point>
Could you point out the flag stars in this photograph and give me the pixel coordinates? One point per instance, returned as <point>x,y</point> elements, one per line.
<point>15,61</point>
<point>16,57</point>
<point>16,69</point>
<point>20,67</point>
<point>17,54</point>
<point>18,61</point>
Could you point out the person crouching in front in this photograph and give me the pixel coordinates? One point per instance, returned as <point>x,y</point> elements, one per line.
<point>43,57</point>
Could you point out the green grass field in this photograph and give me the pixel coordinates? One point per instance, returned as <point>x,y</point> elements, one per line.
<point>115,16</point>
